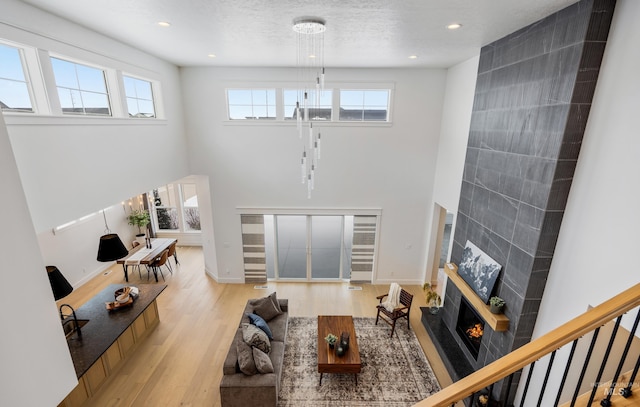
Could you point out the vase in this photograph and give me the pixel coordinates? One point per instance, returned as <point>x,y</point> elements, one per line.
<point>434,310</point>
<point>331,346</point>
<point>344,341</point>
<point>495,309</point>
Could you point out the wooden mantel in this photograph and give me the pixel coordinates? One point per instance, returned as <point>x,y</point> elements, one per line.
<point>497,322</point>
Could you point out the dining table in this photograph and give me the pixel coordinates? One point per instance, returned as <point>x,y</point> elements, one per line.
<point>145,255</point>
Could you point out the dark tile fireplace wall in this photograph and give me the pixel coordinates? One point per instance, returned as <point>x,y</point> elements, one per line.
<point>532,100</point>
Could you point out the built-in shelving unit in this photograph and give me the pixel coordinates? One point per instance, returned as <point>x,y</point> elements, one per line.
<point>497,322</point>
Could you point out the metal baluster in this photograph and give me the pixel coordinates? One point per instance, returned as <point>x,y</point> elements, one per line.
<point>509,382</point>
<point>546,378</point>
<point>584,367</point>
<point>607,401</point>
<point>566,371</point>
<point>604,360</point>
<point>626,392</point>
<point>526,386</point>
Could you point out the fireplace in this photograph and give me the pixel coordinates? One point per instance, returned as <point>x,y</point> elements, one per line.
<point>470,327</point>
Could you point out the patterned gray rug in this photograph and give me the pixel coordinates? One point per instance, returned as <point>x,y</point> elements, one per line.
<point>395,372</point>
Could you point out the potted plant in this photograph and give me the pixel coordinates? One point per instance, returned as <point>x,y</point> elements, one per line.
<point>432,298</point>
<point>496,305</point>
<point>139,218</point>
<point>331,340</point>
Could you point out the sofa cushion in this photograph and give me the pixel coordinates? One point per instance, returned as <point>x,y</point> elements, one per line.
<point>265,307</point>
<point>256,337</point>
<point>258,321</point>
<point>262,361</point>
<point>274,300</point>
<point>245,358</point>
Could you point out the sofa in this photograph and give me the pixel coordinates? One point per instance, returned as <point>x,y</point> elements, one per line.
<point>256,389</point>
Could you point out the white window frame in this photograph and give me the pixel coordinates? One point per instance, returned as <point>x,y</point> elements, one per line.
<point>109,79</point>
<point>126,97</point>
<point>335,88</point>
<point>278,101</point>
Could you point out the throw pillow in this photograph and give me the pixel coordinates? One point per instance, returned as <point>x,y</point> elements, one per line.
<point>245,358</point>
<point>274,300</point>
<point>263,363</point>
<point>260,323</point>
<point>255,337</point>
<point>265,308</point>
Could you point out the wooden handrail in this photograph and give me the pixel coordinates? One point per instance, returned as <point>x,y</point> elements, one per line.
<point>532,351</point>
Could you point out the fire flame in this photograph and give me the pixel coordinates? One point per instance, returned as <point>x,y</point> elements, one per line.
<point>475,331</point>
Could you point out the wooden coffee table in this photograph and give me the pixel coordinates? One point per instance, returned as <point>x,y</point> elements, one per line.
<point>328,361</point>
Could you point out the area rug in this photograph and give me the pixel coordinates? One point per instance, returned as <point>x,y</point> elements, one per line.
<point>395,371</point>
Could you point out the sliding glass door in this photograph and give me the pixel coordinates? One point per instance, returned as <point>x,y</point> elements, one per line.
<point>291,243</point>
<point>326,245</point>
<point>308,247</point>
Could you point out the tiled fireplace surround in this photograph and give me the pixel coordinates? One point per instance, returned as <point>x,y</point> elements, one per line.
<point>533,94</point>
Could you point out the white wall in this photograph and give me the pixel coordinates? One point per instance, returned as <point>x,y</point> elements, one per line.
<point>257,165</point>
<point>72,166</point>
<point>452,150</point>
<point>67,168</point>
<point>594,257</point>
<point>36,366</point>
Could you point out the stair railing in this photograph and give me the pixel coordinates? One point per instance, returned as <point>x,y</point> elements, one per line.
<point>467,389</point>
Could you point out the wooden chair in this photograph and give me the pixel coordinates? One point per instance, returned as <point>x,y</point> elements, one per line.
<point>402,311</point>
<point>136,266</point>
<point>157,264</point>
<point>172,252</point>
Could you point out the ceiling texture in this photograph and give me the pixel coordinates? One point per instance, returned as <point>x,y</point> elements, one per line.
<point>360,33</point>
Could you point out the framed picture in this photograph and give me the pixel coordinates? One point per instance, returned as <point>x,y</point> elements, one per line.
<point>479,270</point>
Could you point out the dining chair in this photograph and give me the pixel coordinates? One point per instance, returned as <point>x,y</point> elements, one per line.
<point>137,266</point>
<point>156,265</point>
<point>172,252</point>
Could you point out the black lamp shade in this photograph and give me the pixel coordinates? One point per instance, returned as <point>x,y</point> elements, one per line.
<point>111,248</point>
<point>60,286</point>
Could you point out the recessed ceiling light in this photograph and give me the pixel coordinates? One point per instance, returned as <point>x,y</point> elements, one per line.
<point>413,57</point>
<point>164,23</point>
<point>211,55</point>
<point>454,26</point>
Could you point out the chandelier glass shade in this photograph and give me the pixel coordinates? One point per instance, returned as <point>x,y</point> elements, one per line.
<point>310,67</point>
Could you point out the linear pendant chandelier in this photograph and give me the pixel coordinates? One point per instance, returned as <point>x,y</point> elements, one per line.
<point>310,64</point>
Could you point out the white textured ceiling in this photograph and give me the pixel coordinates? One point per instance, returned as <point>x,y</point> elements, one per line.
<point>360,33</point>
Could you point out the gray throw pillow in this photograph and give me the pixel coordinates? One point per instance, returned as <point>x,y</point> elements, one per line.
<point>274,300</point>
<point>245,358</point>
<point>265,308</point>
<point>262,361</point>
<point>255,337</point>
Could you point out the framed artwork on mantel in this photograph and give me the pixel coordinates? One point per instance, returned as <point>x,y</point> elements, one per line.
<point>478,270</point>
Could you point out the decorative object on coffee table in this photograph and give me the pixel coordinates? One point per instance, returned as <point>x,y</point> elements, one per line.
<point>331,340</point>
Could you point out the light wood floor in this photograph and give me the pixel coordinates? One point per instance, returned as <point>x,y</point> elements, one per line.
<point>180,362</point>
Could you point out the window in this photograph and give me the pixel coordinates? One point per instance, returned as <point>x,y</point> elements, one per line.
<point>322,112</point>
<point>190,207</point>
<point>364,105</point>
<point>81,89</point>
<point>139,97</point>
<point>166,212</point>
<point>14,88</point>
<point>251,104</point>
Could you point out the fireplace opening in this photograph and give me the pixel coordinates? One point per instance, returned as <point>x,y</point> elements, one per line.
<point>470,328</point>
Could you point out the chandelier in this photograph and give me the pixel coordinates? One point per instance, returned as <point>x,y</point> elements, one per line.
<point>310,65</point>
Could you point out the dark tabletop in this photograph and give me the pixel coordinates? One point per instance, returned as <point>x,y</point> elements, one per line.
<point>104,327</point>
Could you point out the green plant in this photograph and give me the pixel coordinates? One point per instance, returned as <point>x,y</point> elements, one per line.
<point>331,339</point>
<point>139,218</point>
<point>496,301</point>
<point>430,296</point>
